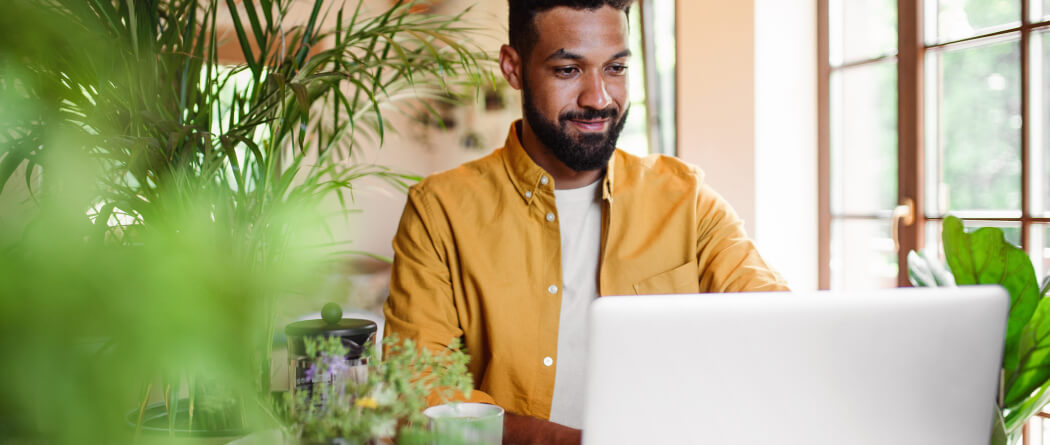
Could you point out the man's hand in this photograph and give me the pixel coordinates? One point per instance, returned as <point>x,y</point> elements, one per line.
<point>525,430</point>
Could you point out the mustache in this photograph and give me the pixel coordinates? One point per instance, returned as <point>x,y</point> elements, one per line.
<point>589,114</point>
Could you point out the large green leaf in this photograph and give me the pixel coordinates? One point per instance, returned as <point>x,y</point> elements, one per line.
<point>1017,414</point>
<point>985,257</point>
<point>1033,367</point>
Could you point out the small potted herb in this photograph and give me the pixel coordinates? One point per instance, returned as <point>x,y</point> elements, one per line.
<point>386,406</point>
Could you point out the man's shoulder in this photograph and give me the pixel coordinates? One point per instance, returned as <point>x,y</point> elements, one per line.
<point>470,174</point>
<point>657,170</point>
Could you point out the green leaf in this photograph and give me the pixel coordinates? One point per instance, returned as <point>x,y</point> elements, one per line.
<point>985,257</point>
<point>242,38</point>
<point>102,218</point>
<point>8,164</point>
<point>1016,416</point>
<point>998,429</point>
<point>301,96</point>
<point>958,252</point>
<point>253,20</point>
<point>309,34</point>
<point>173,406</point>
<point>1033,367</point>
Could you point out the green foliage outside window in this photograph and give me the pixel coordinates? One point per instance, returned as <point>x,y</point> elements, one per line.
<point>981,118</point>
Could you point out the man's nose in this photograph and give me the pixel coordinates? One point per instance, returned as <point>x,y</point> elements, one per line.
<point>595,95</point>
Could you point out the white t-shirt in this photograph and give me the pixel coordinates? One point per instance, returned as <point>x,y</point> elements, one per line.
<point>580,221</point>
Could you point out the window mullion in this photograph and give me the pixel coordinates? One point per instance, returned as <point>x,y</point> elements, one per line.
<point>910,172</point>
<point>1025,126</point>
<point>824,146</point>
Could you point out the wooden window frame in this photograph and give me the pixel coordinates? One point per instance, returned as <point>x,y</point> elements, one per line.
<point>910,57</point>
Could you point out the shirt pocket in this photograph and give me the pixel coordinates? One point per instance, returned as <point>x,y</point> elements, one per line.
<point>684,279</point>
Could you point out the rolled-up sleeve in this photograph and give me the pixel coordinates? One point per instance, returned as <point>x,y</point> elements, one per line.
<point>728,260</point>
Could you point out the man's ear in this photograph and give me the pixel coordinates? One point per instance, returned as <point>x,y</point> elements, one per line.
<point>510,64</point>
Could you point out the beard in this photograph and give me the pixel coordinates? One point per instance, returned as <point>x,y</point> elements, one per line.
<point>588,151</point>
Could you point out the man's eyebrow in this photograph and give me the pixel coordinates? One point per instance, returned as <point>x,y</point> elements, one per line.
<point>563,54</point>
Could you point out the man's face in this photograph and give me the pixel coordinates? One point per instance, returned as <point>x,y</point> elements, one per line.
<point>574,84</point>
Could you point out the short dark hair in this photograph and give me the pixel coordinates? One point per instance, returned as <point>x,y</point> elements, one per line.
<point>521,26</point>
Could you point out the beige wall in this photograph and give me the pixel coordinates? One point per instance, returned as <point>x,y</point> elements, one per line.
<point>423,151</point>
<point>716,110</point>
<point>747,117</point>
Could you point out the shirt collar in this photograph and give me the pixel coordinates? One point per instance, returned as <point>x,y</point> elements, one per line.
<point>527,176</point>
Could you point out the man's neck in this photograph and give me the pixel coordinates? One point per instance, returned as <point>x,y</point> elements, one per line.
<point>564,177</point>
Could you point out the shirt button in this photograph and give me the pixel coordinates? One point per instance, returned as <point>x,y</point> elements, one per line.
<point>550,216</point>
<point>547,361</point>
<point>528,194</point>
<point>552,289</point>
<point>544,180</point>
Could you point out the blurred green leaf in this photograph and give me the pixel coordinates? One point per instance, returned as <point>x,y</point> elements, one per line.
<point>926,271</point>
<point>919,273</point>
<point>998,429</point>
<point>173,214</point>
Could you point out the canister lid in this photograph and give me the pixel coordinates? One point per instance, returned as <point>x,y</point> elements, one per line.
<point>347,327</point>
<point>353,333</point>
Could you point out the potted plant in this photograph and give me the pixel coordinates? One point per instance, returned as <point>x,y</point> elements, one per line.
<point>386,405</point>
<point>985,257</point>
<point>186,189</point>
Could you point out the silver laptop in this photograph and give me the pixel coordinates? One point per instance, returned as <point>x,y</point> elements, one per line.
<point>889,367</point>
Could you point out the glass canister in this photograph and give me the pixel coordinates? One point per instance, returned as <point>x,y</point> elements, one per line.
<point>353,333</point>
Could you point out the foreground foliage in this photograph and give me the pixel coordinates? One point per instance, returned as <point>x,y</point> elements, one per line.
<point>172,199</point>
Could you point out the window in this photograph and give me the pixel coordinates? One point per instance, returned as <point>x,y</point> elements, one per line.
<point>930,108</point>
<point>650,126</point>
<point>862,78</point>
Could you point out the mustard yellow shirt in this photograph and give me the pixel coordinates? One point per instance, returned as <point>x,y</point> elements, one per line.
<point>477,257</point>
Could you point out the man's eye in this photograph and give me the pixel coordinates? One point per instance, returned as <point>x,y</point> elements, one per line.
<point>565,71</point>
<point>617,69</point>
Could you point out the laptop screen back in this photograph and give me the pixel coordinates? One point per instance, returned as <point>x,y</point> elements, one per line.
<point>900,366</point>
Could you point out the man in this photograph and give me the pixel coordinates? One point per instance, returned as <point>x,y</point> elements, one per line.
<point>507,251</point>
